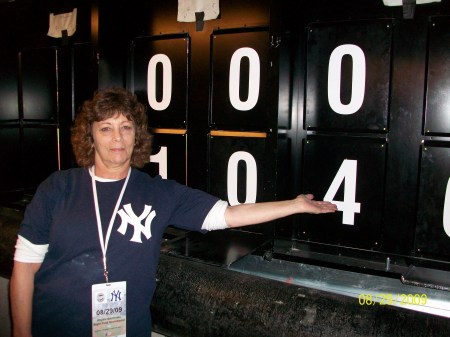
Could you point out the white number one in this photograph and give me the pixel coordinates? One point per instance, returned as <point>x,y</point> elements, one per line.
<point>349,207</point>
<point>358,79</point>
<point>253,79</point>
<point>167,82</point>
<point>161,159</point>
<point>446,218</point>
<point>232,177</point>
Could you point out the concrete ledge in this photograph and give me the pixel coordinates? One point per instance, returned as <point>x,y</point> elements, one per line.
<point>196,299</point>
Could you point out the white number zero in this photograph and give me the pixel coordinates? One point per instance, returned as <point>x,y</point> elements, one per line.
<point>253,78</point>
<point>232,177</point>
<point>358,79</point>
<point>167,82</point>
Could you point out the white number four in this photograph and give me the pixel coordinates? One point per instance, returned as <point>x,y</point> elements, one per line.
<point>349,207</point>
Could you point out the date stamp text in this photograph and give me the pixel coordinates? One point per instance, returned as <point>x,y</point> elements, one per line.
<point>392,299</point>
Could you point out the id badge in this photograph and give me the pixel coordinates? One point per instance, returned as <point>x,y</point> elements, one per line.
<point>109,309</point>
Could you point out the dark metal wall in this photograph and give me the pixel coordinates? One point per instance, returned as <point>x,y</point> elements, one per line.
<point>348,104</point>
<point>374,145</point>
<point>43,80</point>
<point>151,29</point>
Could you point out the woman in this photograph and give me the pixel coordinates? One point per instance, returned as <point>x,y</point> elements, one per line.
<point>101,226</point>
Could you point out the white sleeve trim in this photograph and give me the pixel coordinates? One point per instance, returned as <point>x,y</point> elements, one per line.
<point>216,217</point>
<point>400,2</point>
<point>29,252</point>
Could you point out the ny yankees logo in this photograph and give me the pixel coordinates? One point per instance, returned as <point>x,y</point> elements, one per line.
<point>128,217</point>
<point>116,296</point>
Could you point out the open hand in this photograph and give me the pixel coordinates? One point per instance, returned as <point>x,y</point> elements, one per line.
<point>309,205</point>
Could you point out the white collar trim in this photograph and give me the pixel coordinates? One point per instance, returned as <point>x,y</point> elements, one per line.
<point>100,179</point>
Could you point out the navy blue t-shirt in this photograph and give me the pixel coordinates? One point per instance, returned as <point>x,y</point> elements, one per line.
<point>62,214</point>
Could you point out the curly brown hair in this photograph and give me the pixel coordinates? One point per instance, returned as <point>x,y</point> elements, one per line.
<point>107,103</point>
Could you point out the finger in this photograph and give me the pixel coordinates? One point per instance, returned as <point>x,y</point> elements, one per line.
<point>324,203</point>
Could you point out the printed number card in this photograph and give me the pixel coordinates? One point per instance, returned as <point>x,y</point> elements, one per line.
<point>240,170</point>
<point>437,117</point>
<point>348,72</point>
<point>350,173</point>
<point>239,93</point>
<point>433,225</point>
<point>169,156</point>
<point>38,75</point>
<point>159,76</point>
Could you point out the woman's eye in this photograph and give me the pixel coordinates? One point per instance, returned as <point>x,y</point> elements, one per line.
<point>127,127</point>
<point>105,129</point>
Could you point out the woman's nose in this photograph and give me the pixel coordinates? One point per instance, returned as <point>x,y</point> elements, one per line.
<point>117,136</point>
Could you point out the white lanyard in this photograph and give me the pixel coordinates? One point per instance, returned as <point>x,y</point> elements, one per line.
<point>104,243</point>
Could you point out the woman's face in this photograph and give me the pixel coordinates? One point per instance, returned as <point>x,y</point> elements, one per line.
<point>114,140</point>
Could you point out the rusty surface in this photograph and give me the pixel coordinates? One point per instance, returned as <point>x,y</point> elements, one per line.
<point>196,299</point>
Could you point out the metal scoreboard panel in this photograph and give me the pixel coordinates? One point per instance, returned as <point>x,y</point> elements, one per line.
<point>168,157</point>
<point>351,173</point>
<point>238,169</point>
<point>437,116</point>
<point>348,75</point>
<point>432,238</point>
<point>10,166</point>
<point>38,73</point>
<point>239,77</point>
<point>9,109</point>
<point>159,76</point>
<point>85,76</point>
<point>40,153</point>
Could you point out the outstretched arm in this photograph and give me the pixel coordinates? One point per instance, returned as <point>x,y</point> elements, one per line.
<point>251,214</point>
